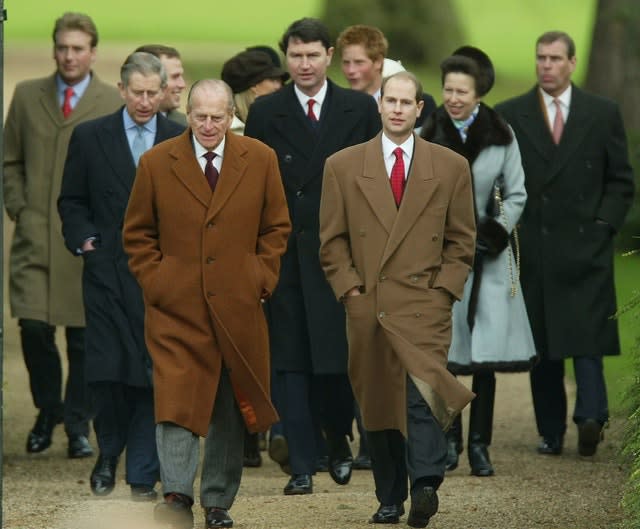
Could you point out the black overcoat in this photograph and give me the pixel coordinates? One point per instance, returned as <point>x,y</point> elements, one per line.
<point>347,118</point>
<point>567,254</point>
<point>98,175</point>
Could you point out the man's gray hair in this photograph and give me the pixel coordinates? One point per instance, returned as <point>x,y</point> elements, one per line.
<point>215,85</point>
<point>145,64</point>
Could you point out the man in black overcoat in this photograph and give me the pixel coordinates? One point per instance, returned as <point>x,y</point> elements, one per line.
<point>305,122</point>
<point>98,175</point>
<point>580,187</point>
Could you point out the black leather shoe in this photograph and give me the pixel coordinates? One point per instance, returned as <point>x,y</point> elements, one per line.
<point>551,446</point>
<point>340,470</point>
<point>39,438</point>
<point>175,511</point>
<point>362,462</point>
<point>79,447</point>
<point>103,475</point>
<point>215,517</point>
<point>589,435</point>
<point>143,493</point>
<point>479,460</point>
<point>454,449</point>
<point>387,514</point>
<point>299,484</point>
<point>424,504</point>
<point>279,452</point>
<point>252,457</point>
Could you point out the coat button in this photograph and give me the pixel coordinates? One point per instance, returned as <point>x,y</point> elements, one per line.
<point>299,193</point>
<point>383,277</point>
<point>210,260</point>
<point>209,224</point>
<point>210,294</point>
<point>381,315</point>
<point>434,237</point>
<point>414,279</point>
<point>418,314</point>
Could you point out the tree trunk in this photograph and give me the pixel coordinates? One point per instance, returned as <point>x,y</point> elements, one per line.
<point>614,63</point>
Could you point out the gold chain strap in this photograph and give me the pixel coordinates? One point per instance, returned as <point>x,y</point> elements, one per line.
<point>514,277</point>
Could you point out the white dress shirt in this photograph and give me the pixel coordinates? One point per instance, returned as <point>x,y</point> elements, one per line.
<point>565,100</point>
<point>318,98</point>
<point>389,146</point>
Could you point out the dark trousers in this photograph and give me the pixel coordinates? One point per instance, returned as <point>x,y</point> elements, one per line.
<point>42,359</point>
<point>310,404</point>
<point>550,398</point>
<point>421,457</point>
<point>125,418</point>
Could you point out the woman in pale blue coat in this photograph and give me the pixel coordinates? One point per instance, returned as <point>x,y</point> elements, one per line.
<point>490,325</point>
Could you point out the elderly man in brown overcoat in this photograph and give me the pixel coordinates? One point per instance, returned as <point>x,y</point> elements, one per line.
<point>206,225</point>
<point>397,237</point>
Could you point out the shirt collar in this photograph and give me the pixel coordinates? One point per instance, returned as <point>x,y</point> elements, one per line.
<point>318,97</point>
<point>564,97</point>
<point>389,146</point>
<point>150,126</point>
<point>200,150</point>
<point>78,88</point>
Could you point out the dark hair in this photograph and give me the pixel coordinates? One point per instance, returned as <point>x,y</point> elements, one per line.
<point>486,73</point>
<point>461,64</point>
<point>78,22</point>
<point>307,30</point>
<point>552,36</point>
<point>160,50</point>
<point>407,76</point>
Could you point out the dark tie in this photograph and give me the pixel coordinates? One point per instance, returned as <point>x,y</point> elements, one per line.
<point>310,113</point>
<point>558,123</point>
<point>397,176</point>
<point>210,172</point>
<point>66,105</point>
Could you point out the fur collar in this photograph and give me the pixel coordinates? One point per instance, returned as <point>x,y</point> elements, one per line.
<point>487,129</point>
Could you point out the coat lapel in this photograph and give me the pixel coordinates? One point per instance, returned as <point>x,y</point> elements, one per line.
<point>292,124</point>
<point>420,187</point>
<point>234,166</point>
<point>115,147</point>
<point>577,126</point>
<point>187,169</point>
<point>531,120</point>
<point>374,184</point>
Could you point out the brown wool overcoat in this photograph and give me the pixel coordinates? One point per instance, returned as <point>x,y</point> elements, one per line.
<point>410,263</point>
<point>203,262</point>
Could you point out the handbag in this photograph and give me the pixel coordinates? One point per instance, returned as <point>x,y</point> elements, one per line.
<point>495,208</point>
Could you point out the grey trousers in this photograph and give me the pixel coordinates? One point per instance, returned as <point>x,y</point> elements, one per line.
<point>179,453</point>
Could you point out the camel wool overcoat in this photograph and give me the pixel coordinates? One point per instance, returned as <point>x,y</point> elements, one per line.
<point>204,260</point>
<point>410,263</point>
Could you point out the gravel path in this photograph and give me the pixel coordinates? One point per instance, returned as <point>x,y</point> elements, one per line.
<point>529,491</point>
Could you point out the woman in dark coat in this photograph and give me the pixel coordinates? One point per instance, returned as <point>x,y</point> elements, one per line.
<point>490,326</point>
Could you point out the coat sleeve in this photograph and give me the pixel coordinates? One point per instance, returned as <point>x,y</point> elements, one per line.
<point>514,192</point>
<point>14,179</point>
<point>140,235</point>
<point>335,244</point>
<point>74,201</point>
<point>459,234</point>
<point>618,190</point>
<point>275,226</point>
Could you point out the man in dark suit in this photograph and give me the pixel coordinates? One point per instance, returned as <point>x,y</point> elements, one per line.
<point>397,235</point>
<point>44,285</point>
<point>98,176</point>
<point>172,62</point>
<point>304,123</point>
<point>579,187</point>
<point>363,50</point>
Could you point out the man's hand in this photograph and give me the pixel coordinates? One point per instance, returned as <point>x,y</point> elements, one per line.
<point>88,246</point>
<point>355,291</point>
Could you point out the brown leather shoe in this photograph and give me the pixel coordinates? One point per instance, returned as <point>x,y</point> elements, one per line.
<point>216,517</point>
<point>175,511</point>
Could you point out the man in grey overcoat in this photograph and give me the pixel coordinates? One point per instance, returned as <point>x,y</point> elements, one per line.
<point>580,186</point>
<point>44,280</point>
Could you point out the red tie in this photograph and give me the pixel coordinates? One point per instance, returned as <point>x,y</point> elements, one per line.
<point>558,123</point>
<point>66,105</point>
<point>210,172</point>
<point>310,113</point>
<point>397,176</point>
